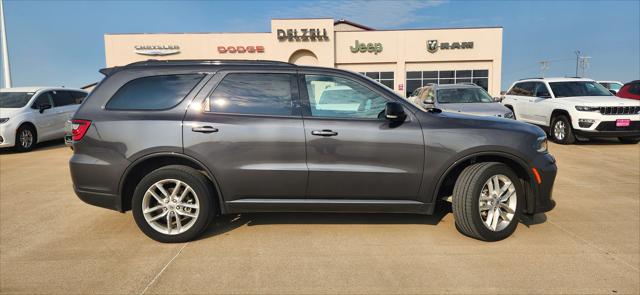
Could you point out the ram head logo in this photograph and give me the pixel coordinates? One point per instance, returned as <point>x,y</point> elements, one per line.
<point>432,46</point>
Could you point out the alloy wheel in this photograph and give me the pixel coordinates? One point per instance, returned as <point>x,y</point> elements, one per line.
<point>497,203</point>
<point>26,138</point>
<point>170,206</point>
<point>559,130</point>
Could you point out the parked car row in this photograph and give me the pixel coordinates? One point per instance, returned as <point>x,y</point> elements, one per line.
<point>29,115</point>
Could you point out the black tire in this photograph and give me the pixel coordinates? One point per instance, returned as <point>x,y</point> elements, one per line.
<point>466,201</point>
<point>568,136</point>
<point>629,140</point>
<point>200,185</point>
<point>21,146</point>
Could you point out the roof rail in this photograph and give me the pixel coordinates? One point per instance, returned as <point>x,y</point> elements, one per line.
<point>531,78</point>
<point>189,62</point>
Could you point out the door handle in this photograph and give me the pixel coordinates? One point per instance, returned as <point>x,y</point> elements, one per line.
<point>324,132</point>
<point>204,129</point>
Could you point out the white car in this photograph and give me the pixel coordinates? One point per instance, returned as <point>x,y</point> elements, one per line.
<point>29,115</point>
<point>613,86</point>
<point>570,107</point>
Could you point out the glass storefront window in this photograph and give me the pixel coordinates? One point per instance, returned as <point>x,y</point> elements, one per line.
<point>417,79</point>
<point>385,78</point>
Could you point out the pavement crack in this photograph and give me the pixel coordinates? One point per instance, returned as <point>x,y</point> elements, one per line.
<point>162,270</point>
<point>593,245</point>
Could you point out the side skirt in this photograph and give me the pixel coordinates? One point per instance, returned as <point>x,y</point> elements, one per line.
<point>328,205</point>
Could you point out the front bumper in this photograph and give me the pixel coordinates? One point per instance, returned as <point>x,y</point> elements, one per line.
<point>8,134</point>
<point>609,129</point>
<point>542,192</point>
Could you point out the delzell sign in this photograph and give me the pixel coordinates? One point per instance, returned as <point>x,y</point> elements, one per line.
<point>302,34</point>
<point>157,50</point>
<point>240,49</point>
<point>433,45</point>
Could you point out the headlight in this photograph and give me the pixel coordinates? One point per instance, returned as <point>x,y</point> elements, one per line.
<point>541,144</point>
<point>3,120</point>
<point>586,108</point>
<point>509,115</point>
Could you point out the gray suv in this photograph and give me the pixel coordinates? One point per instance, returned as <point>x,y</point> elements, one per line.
<point>179,142</point>
<point>460,98</point>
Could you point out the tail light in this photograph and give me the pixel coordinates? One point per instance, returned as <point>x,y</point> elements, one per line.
<point>79,128</point>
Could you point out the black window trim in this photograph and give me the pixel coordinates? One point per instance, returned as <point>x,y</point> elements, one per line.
<point>191,91</point>
<point>295,98</point>
<point>306,104</point>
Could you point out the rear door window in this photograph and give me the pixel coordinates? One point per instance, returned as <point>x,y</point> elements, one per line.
<point>522,89</point>
<point>62,98</point>
<point>153,93</point>
<point>254,94</point>
<point>78,96</point>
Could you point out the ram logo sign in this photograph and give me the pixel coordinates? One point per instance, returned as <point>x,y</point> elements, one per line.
<point>157,50</point>
<point>433,45</point>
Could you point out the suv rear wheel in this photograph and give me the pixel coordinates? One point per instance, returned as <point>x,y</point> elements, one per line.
<point>173,204</point>
<point>487,201</point>
<point>561,130</point>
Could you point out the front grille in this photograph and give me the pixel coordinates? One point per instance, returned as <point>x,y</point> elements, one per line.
<point>611,126</point>
<point>619,110</point>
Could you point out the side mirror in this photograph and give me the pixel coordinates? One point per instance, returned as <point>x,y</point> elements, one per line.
<point>394,112</point>
<point>428,100</point>
<point>43,107</point>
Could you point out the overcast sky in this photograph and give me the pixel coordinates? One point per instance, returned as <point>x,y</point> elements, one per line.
<point>61,42</point>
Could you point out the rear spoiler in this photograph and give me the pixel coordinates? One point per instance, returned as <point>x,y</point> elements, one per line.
<point>108,71</point>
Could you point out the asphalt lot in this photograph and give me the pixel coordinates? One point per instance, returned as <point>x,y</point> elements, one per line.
<point>51,242</point>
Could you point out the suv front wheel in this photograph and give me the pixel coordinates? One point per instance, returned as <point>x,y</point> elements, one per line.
<point>487,201</point>
<point>561,130</point>
<point>173,204</point>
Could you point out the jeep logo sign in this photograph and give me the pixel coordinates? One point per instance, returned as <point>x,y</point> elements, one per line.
<point>374,48</point>
<point>433,46</point>
<point>157,50</point>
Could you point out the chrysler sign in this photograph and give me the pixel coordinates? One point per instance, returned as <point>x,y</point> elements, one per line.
<point>157,50</point>
<point>433,45</point>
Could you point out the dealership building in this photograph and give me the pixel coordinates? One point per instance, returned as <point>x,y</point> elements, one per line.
<point>401,59</point>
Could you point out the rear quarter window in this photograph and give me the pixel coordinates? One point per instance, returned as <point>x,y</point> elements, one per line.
<point>154,92</point>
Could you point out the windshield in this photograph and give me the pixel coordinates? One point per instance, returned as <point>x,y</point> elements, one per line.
<point>463,95</point>
<point>578,88</point>
<point>614,86</point>
<point>14,99</point>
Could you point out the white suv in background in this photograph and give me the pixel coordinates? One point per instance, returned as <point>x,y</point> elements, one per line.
<point>570,107</point>
<point>29,115</point>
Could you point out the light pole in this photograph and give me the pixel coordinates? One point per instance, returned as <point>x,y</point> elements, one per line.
<point>577,52</point>
<point>6,72</point>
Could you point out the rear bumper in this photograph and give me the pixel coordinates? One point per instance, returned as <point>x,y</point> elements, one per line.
<point>543,194</point>
<point>98,199</point>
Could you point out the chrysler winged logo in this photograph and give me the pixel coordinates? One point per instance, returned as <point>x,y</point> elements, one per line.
<point>157,50</point>
<point>432,46</point>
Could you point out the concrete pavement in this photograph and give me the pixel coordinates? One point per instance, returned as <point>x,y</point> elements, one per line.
<point>53,243</point>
